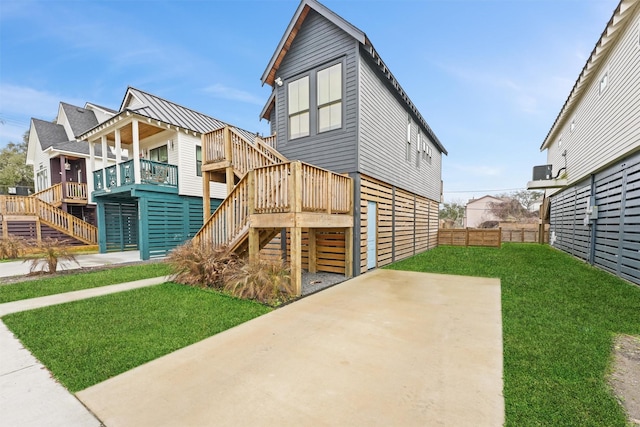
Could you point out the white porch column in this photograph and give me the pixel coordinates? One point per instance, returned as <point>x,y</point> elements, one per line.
<point>136,151</point>
<point>105,157</point>
<point>118,156</point>
<point>92,167</point>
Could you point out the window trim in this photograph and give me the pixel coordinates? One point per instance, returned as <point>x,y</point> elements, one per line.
<point>157,149</point>
<point>198,162</point>
<point>298,113</point>
<point>408,139</point>
<point>606,77</point>
<point>313,98</point>
<point>331,102</point>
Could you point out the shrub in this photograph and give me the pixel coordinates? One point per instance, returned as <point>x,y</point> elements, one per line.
<point>49,254</point>
<point>12,247</point>
<point>266,281</point>
<point>201,265</point>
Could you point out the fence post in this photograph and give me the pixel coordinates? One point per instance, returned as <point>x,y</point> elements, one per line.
<point>466,237</point>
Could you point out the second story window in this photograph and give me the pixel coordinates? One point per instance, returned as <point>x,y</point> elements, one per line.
<point>329,98</point>
<point>604,82</point>
<point>298,107</point>
<point>198,160</point>
<point>408,152</point>
<point>159,154</point>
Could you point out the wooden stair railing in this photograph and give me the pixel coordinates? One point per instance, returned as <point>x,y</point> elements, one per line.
<point>69,192</point>
<point>51,195</point>
<point>49,215</point>
<point>276,189</point>
<point>226,147</point>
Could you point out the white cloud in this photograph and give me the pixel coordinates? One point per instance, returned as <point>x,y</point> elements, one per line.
<point>17,101</point>
<point>221,91</point>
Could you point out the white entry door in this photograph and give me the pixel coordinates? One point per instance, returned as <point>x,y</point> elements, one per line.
<point>372,222</point>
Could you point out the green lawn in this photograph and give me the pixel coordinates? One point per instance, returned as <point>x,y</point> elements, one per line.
<point>74,281</point>
<point>86,342</point>
<point>559,319</point>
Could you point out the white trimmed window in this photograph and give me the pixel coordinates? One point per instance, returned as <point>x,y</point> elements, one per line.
<point>298,97</point>
<point>198,160</point>
<point>329,83</point>
<point>604,82</point>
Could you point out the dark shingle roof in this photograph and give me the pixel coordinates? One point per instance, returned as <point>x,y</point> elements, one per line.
<point>49,133</point>
<point>80,119</point>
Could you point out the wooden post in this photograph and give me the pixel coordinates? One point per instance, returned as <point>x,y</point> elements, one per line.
<point>296,260</point>
<point>254,244</point>
<point>296,187</point>
<point>206,196</point>
<point>228,154</point>
<point>466,237</point>
<point>313,255</point>
<point>348,252</point>
<point>38,230</point>
<point>329,194</point>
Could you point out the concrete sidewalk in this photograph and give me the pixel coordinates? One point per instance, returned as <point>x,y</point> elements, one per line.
<point>29,396</point>
<point>385,348</point>
<point>19,268</point>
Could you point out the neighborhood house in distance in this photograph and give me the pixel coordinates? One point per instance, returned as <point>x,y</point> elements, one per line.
<point>592,179</point>
<point>349,180</point>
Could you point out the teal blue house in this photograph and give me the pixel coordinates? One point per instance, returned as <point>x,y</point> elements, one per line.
<point>151,198</point>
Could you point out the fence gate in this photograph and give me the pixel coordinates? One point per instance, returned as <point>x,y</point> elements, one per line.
<point>121,221</point>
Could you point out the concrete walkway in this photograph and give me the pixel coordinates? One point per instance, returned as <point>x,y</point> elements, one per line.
<point>385,348</point>
<point>28,394</point>
<point>19,268</point>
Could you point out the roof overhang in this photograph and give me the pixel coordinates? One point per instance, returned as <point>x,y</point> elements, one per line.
<point>268,107</point>
<point>121,119</point>
<point>619,20</point>
<point>291,32</point>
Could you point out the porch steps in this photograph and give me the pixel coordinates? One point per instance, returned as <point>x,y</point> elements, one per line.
<point>33,209</point>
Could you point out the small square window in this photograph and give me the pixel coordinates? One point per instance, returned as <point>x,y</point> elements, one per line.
<point>604,82</point>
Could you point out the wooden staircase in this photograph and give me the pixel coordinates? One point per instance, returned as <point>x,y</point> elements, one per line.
<point>268,193</point>
<point>26,208</point>
<point>64,192</point>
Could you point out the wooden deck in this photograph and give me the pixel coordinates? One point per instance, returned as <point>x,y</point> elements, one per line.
<point>64,192</point>
<point>273,194</point>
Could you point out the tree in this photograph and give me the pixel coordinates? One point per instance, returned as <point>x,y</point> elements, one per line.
<point>14,172</point>
<point>516,206</point>
<point>453,211</point>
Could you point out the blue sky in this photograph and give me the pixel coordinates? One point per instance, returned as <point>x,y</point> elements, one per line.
<point>489,76</point>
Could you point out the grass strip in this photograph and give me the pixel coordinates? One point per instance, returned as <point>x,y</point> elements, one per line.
<point>74,281</point>
<point>559,319</point>
<point>86,342</point>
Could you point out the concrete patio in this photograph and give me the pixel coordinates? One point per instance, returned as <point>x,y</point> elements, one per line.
<point>385,348</point>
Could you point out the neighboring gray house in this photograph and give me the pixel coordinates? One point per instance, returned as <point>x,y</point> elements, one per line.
<point>592,181</point>
<point>335,104</point>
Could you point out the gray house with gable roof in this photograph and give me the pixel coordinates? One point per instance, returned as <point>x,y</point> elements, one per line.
<point>336,105</point>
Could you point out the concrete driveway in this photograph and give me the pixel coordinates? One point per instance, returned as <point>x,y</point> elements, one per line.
<point>386,348</point>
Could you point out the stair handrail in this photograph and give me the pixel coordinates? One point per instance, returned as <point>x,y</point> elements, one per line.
<point>52,195</point>
<point>50,215</point>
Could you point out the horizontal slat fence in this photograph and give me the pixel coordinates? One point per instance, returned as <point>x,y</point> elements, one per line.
<point>490,237</point>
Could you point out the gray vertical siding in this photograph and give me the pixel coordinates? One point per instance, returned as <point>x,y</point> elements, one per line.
<point>612,241</point>
<point>319,42</point>
<point>383,139</point>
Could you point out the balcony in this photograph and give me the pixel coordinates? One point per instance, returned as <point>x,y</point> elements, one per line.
<point>123,174</point>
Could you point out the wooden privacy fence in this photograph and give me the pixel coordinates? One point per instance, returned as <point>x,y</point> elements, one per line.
<point>470,237</point>
<point>524,235</point>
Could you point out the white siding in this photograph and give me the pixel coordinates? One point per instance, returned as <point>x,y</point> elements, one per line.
<point>607,125</point>
<point>189,183</point>
<point>383,140</point>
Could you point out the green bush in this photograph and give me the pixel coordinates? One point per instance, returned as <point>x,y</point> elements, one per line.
<point>266,281</point>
